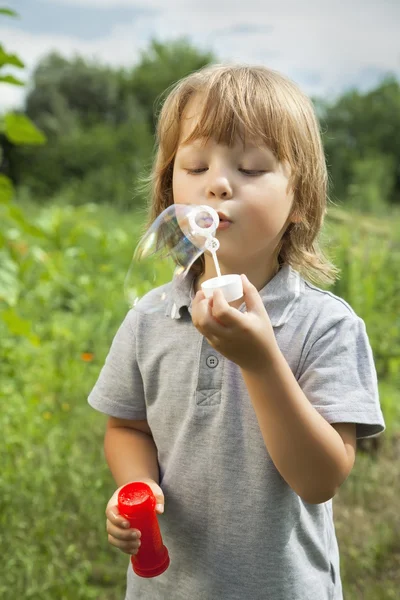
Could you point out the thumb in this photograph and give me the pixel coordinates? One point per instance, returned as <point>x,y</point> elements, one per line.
<point>158,493</point>
<point>251,296</point>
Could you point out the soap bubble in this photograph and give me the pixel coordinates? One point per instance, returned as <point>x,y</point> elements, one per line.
<point>167,251</point>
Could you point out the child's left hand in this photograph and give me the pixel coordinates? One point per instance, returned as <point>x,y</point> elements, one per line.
<point>244,338</point>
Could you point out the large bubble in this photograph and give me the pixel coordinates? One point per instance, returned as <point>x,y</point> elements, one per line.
<point>176,239</point>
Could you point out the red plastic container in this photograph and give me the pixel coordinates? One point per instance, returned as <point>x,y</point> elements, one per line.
<point>137,503</point>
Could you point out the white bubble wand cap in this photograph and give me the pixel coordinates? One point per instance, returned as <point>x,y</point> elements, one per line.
<point>230,285</point>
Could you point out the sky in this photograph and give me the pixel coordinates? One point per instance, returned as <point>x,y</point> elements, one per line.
<point>326,46</point>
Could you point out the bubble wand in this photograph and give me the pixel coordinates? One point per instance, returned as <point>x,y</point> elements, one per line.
<point>171,246</point>
<point>230,285</point>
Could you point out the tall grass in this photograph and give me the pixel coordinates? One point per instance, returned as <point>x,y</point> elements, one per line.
<point>54,483</point>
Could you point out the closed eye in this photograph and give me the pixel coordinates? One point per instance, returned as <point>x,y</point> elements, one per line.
<point>252,172</point>
<point>245,171</point>
<point>196,171</point>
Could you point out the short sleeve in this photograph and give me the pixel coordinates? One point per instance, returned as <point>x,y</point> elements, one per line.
<point>338,376</point>
<point>118,391</point>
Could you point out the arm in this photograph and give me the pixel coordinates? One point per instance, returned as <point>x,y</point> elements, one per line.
<point>312,456</point>
<point>130,451</point>
<point>131,454</point>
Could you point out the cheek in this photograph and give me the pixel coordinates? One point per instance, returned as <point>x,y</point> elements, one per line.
<point>179,188</point>
<point>271,210</point>
<point>175,186</point>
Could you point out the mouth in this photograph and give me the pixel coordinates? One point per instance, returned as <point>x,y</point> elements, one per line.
<point>223,218</point>
<point>223,224</point>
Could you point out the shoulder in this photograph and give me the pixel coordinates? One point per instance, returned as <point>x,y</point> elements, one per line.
<point>155,301</point>
<point>326,318</point>
<point>326,306</point>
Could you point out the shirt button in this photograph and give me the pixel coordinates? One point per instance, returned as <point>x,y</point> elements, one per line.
<point>212,362</point>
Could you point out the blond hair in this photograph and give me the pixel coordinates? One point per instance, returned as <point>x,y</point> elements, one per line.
<point>263,104</point>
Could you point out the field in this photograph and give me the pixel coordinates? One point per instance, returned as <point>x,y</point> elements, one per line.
<point>62,301</point>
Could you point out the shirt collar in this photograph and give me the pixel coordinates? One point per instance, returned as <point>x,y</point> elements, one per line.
<point>280,295</point>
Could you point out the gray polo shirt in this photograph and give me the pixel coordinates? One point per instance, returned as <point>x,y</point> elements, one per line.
<point>233,527</point>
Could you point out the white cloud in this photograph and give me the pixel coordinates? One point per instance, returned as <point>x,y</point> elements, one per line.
<point>108,4</point>
<point>323,45</point>
<point>119,48</point>
<point>225,8</point>
<point>104,3</point>
<point>11,97</point>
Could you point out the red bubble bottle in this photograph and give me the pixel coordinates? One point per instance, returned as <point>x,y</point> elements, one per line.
<point>137,503</point>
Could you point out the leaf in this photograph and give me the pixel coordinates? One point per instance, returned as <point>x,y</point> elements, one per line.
<point>9,283</point>
<point>19,217</point>
<point>11,80</point>
<point>20,130</point>
<point>19,326</point>
<point>6,189</point>
<point>10,59</point>
<point>8,12</point>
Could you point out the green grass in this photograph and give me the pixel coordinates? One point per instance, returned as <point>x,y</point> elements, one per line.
<point>368,526</point>
<point>54,483</point>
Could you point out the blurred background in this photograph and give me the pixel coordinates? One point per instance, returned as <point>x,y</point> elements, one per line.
<point>80,86</point>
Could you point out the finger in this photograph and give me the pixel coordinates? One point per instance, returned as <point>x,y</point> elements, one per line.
<point>130,547</point>
<point>200,295</point>
<point>251,297</point>
<point>122,534</point>
<point>200,310</point>
<point>198,303</point>
<point>204,316</point>
<point>210,326</point>
<point>158,494</point>
<point>221,311</point>
<point>115,517</point>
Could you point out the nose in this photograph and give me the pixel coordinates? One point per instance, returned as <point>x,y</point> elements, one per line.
<point>219,187</point>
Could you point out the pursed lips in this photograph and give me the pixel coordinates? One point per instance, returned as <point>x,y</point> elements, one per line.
<point>223,218</point>
<point>224,222</point>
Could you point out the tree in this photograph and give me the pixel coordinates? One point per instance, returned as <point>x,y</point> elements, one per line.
<point>98,120</point>
<point>160,66</point>
<point>91,122</point>
<point>75,94</point>
<point>364,127</point>
<point>112,158</point>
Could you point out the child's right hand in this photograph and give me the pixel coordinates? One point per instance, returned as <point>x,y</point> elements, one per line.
<point>119,532</point>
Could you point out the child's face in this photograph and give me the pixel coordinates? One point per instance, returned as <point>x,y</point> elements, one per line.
<point>247,184</point>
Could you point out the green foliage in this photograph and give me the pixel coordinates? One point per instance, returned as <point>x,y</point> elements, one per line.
<point>368,528</point>
<point>93,126</point>
<point>65,302</point>
<point>9,59</point>
<point>8,12</point>
<point>72,100</point>
<point>359,127</point>
<point>70,94</point>
<point>99,124</point>
<point>161,66</point>
<point>6,189</point>
<point>372,181</point>
<point>62,271</point>
<point>20,130</point>
<point>9,282</point>
<point>100,164</point>
<point>368,254</point>
<point>17,129</point>
<point>11,80</point>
